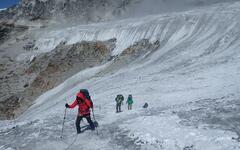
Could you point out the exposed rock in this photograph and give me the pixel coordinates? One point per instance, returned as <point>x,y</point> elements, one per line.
<point>29,46</point>
<point>48,70</point>
<point>140,48</point>
<point>133,54</point>
<point>8,107</point>
<point>26,85</point>
<point>65,10</point>
<point>7,29</point>
<point>2,67</point>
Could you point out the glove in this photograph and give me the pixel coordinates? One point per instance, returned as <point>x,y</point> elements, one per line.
<point>66,105</point>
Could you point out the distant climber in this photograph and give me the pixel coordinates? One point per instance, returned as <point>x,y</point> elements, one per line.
<point>84,104</point>
<point>145,105</point>
<point>129,102</point>
<point>119,101</point>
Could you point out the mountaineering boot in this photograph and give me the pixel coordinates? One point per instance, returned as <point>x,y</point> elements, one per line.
<point>92,126</point>
<point>78,132</point>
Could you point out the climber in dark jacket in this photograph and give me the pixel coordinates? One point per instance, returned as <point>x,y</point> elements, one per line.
<point>119,101</point>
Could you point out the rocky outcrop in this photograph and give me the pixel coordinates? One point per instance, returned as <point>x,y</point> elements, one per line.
<point>19,88</point>
<point>54,67</point>
<point>6,30</point>
<point>135,53</point>
<point>140,48</point>
<point>8,108</point>
<point>82,11</point>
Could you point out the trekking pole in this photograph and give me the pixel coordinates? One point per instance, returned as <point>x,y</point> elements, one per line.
<point>63,122</point>
<point>95,122</point>
<point>93,115</point>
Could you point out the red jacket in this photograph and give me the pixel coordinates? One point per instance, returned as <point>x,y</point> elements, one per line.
<point>83,103</point>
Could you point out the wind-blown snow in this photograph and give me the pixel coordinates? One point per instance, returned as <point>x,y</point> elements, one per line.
<point>195,70</point>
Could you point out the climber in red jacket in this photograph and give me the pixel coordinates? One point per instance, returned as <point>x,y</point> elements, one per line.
<point>84,106</point>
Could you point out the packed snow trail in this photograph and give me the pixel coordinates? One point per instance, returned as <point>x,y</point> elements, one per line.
<point>191,84</point>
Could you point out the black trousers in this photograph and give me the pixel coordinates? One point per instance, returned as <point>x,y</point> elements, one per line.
<point>78,120</point>
<point>118,107</point>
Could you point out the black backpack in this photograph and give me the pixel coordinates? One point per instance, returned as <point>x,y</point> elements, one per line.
<point>86,94</point>
<point>145,105</point>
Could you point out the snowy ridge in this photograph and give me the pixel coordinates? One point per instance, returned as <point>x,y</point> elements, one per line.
<point>169,29</point>
<point>1,9</point>
<point>195,71</point>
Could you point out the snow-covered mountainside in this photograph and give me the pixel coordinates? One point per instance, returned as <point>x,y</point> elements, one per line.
<point>185,65</point>
<point>85,11</point>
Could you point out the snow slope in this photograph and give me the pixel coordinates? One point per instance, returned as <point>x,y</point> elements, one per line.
<point>2,9</point>
<point>191,84</point>
<point>164,28</point>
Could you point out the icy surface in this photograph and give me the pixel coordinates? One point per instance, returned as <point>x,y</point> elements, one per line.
<point>191,84</point>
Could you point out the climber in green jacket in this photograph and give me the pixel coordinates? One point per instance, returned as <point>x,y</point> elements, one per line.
<point>129,102</point>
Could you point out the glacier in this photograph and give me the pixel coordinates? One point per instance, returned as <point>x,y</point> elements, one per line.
<point>191,84</point>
